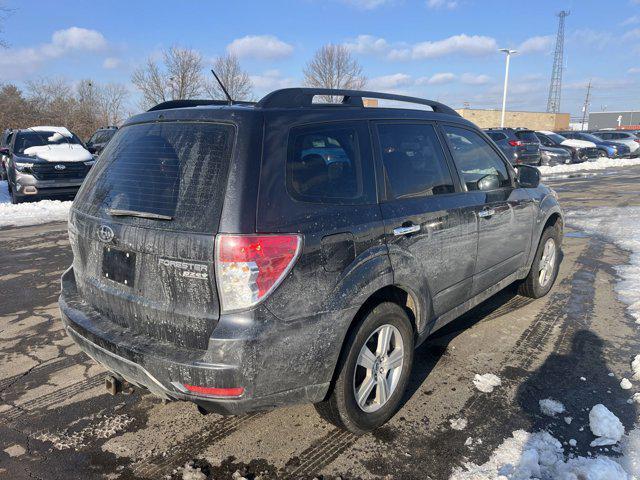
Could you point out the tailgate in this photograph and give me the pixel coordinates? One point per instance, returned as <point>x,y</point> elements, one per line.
<point>143,227</point>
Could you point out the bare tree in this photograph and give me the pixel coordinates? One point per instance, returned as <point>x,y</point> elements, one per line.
<point>332,66</point>
<point>112,104</point>
<point>235,80</point>
<point>178,77</point>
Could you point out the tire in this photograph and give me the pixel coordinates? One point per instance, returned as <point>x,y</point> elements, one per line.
<point>341,407</point>
<point>602,153</point>
<point>537,284</point>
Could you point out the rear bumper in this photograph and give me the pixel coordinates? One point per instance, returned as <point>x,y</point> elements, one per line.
<point>275,364</point>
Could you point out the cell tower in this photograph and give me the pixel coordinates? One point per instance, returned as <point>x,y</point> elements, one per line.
<point>553,103</point>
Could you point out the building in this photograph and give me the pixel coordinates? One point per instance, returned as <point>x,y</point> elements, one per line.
<point>532,120</point>
<point>628,120</point>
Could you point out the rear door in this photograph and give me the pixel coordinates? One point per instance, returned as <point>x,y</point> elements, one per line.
<point>505,213</point>
<point>430,226</point>
<point>143,225</point>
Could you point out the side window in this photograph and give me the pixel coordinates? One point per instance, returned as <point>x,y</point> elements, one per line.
<point>325,164</point>
<point>414,161</point>
<point>479,165</point>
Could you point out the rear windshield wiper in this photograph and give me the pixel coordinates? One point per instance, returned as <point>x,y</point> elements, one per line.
<point>116,212</point>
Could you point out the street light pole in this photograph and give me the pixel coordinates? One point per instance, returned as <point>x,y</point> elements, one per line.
<point>506,81</point>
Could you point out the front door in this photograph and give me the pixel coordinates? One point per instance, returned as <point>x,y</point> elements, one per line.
<point>430,226</point>
<point>505,213</point>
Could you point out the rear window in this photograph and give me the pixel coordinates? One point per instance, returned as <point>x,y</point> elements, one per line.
<point>175,171</point>
<point>527,136</point>
<point>496,136</point>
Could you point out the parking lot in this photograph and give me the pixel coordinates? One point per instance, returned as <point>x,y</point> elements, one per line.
<point>574,345</point>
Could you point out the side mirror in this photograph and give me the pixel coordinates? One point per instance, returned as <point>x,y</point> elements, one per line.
<point>528,176</point>
<point>4,151</point>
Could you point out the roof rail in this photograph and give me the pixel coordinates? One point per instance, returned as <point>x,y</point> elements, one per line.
<point>303,97</point>
<point>194,103</point>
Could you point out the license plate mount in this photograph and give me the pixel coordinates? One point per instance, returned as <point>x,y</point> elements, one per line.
<point>119,266</point>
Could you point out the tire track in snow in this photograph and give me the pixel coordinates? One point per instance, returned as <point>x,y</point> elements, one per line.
<point>182,452</point>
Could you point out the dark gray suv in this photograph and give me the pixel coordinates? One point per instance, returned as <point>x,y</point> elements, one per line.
<point>293,251</point>
<point>521,146</point>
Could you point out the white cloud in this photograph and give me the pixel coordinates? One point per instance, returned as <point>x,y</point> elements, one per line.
<point>265,47</point>
<point>437,79</point>
<point>368,4</point>
<point>469,45</point>
<point>14,63</point>
<point>110,63</point>
<point>631,20</point>
<point>473,79</point>
<point>367,44</point>
<point>633,70</point>
<point>271,80</point>
<point>389,81</point>
<point>536,44</point>
<point>632,34</point>
<point>448,4</point>
<point>474,45</point>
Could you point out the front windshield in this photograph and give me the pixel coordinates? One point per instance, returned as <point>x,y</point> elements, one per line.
<point>590,138</point>
<point>555,137</point>
<point>25,140</point>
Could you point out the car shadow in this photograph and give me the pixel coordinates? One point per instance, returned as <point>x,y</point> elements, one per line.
<point>435,347</point>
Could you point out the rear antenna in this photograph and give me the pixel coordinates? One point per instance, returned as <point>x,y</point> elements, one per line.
<point>222,87</point>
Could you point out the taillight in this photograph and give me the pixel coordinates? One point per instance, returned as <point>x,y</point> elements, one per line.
<point>249,267</point>
<point>515,143</point>
<point>636,140</point>
<point>215,392</point>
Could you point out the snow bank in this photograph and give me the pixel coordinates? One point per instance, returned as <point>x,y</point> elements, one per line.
<point>600,164</point>
<point>551,407</point>
<point>528,456</point>
<point>620,225</point>
<point>635,366</point>
<point>487,382</point>
<point>604,425</point>
<point>32,213</point>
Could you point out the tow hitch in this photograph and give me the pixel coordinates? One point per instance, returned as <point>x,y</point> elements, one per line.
<point>115,385</point>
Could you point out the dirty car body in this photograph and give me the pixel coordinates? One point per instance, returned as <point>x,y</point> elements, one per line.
<point>169,288</point>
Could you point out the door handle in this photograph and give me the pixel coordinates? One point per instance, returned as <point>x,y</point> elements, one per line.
<point>406,230</point>
<point>486,213</point>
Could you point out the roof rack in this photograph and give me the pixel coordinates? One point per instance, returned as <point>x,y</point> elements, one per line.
<point>194,103</point>
<point>303,97</point>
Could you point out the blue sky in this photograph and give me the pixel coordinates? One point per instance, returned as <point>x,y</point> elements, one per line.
<point>440,49</point>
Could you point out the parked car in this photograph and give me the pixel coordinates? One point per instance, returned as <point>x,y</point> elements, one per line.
<point>306,280</point>
<point>606,148</point>
<point>621,136</point>
<point>100,138</point>
<point>552,156</point>
<point>4,143</point>
<point>519,145</point>
<point>45,162</point>
<point>580,150</point>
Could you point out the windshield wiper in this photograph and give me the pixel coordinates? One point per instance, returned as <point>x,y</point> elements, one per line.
<point>117,212</point>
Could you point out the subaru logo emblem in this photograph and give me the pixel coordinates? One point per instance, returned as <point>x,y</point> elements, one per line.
<point>105,234</point>
<point>59,167</point>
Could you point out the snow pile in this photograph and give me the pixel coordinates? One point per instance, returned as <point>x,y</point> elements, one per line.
<point>191,473</point>
<point>635,366</point>
<point>458,423</point>
<point>487,382</point>
<point>551,407</point>
<point>620,225</point>
<point>528,456</point>
<point>605,425</point>
<point>600,164</point>
<point>31,213</point>
<point>625,384</point>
